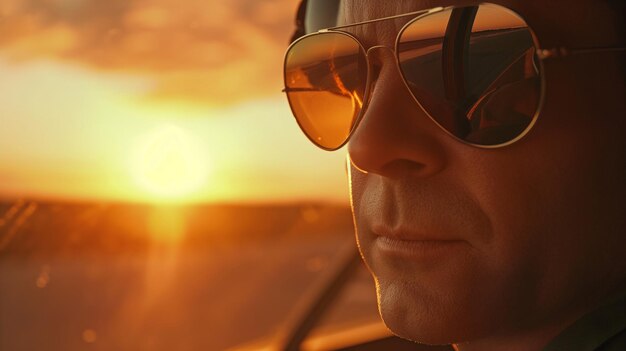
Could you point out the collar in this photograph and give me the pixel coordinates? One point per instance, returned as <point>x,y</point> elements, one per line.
<point>593,330</point>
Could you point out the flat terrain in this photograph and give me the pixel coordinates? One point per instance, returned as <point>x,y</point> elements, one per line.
<point>128,277</point>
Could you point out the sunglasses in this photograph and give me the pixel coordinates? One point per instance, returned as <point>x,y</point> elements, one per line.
<point>476,71</point>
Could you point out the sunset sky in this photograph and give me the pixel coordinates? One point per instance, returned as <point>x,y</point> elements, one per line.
<point>153,100</point>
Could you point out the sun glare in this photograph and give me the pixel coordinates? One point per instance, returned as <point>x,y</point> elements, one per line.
<point>168,163</point>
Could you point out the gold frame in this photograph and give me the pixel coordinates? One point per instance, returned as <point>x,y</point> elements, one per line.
<point>541,53</point>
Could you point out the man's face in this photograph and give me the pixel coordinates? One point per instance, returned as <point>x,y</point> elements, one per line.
<point>467,243</point>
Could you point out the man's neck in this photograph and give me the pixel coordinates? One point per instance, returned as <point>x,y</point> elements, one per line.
<point>537,339</point>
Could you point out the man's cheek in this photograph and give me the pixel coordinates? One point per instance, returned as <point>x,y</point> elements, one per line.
<point>357,182</point>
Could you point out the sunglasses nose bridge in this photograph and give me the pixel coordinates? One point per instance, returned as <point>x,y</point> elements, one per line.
<point>374,63</point>
<point>374,56</point>
<point>373,49</point>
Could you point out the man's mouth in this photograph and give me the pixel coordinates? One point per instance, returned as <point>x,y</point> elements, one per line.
<point>415,245</point>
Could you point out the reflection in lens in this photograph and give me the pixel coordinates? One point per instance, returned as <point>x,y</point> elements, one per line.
<point>473,70</point>
<point>325,79</point>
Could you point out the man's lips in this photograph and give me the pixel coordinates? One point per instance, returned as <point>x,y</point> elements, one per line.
<point>415,245</point>
<point>402,234</point>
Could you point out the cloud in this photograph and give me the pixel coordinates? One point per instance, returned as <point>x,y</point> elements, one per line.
<point>207,51</point>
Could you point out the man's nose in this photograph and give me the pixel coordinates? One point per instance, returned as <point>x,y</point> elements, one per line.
<point>395,137</point>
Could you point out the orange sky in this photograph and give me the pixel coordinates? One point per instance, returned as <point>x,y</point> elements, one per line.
<point>153,100</point>
<point>207,51</point>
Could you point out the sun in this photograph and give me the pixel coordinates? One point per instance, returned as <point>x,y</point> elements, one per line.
<point>168,162</point>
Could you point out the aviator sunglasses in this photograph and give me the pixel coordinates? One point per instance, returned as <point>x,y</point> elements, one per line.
<point>476,71</point>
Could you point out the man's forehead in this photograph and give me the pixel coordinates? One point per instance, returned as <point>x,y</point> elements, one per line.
<point>556,22</point>
<point>322,14</point>
<point>353,11</point>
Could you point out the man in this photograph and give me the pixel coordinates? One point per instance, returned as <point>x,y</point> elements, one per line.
<point>489,206</point>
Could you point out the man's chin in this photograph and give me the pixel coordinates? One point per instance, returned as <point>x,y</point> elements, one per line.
<point>415,319</point>
<point>417,314</point>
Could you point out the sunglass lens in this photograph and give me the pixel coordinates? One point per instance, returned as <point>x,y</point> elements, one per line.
<point>474,71</point>
<point>325,80</point>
